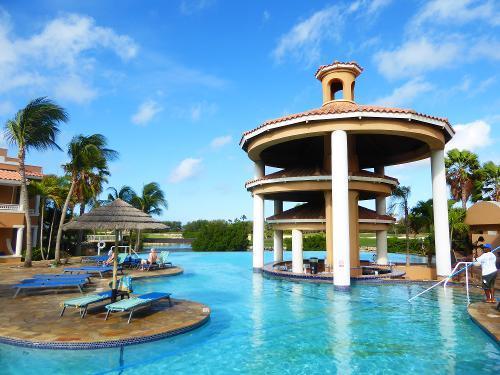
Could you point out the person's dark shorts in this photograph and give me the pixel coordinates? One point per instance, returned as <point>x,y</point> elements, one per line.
<point>489,280</point>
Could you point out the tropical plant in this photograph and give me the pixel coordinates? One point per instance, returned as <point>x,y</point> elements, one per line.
<point>151,201</point>
<point>462,170</point>
<point>89,157</point>
<point>49,190</point>
<point>126,193</point>
<point>458,228</point>
<point>399,203</point>
<point>33,127</point>
<point>490,188</point>
<point>422,216</point>
<point>220,235</point>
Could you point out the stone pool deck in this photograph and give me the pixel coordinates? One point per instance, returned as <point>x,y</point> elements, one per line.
<point>487,317</point>
<point>33,320</point>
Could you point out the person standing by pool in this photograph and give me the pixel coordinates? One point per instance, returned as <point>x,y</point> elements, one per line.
<point>487,261</point>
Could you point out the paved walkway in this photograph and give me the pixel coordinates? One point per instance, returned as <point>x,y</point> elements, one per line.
<point>487,317</point>
<point>33,319</point>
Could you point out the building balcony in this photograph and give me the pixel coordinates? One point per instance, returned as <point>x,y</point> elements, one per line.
<point>14,208</point>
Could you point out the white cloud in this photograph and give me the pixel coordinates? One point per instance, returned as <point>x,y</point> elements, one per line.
<point>189,7</point>
<point>415,57</point>
<point>220,141</point>
<point>266,16</point>
<point>187,168</point>
<point>303,41</point>
<point>146,112</point>
<point>368,7</point>
<point>456,12</point>
<point>75,90</point>
<point>406,93</point>
<point>471,136</point>
<point>202,109</point>
<point>59,55</point>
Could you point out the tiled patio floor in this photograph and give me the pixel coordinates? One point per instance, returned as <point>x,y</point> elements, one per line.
<point>34,318</point>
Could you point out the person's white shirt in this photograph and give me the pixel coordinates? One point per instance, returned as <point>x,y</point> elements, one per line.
<point>110,252</point>
<point>487,261</point>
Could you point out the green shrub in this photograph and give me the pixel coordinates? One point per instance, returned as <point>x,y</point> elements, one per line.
<point>312,242</point>
<point>398,245</point>
<point>219,235</point>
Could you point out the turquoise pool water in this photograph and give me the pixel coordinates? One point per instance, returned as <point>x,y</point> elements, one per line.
<point>268,326</point>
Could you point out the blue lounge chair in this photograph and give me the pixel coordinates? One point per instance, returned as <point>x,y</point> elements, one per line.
<point>62,276</point>
<point>49,284</point>
<point>124,289</point>
<point>136,303</point>
<point>100,270</point>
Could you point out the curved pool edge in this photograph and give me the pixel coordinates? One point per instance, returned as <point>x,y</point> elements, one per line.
<point>477,312</point>
<point>103,344</point>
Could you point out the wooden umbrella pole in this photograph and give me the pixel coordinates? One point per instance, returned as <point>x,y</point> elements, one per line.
<point>115,267</point>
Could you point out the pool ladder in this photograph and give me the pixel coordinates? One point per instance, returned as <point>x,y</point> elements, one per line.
<point>452,274</point>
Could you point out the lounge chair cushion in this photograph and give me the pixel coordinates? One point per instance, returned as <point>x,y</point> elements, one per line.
<point>87,299</point>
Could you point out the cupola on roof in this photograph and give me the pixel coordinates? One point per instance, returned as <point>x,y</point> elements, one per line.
<point>338,80</point>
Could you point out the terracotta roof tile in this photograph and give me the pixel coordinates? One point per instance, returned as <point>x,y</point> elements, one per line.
<point>344,107</point>
<point>353,63</point>
<point>317,211</point>
<point>15,176</point>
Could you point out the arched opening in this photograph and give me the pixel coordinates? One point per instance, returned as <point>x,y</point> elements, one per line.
<point>352,90</point>
<point>336,89</point>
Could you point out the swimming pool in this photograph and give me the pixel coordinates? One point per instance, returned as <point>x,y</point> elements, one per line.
<point>269,326</point>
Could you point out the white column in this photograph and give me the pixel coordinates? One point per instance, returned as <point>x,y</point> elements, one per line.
<point>19,241</point>
<point>340,204</point>
<point>440,209</point>
<point>381,208</point>
<point>297,259</point>
<point>278,234</point>
<point>34,236</point>
<point>258,222</point>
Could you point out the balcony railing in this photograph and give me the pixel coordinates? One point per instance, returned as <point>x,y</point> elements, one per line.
<point>100,237</point>
<point>7,207</point>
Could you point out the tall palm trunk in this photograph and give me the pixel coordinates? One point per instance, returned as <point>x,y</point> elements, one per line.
<point>57,255</point>
<point>49,245</point>
<point>80,232</point>
<point>42,204</point>
<point>25,202</point>
<point>464,197</point>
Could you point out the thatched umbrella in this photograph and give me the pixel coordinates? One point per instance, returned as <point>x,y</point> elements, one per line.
<point>116,216</point>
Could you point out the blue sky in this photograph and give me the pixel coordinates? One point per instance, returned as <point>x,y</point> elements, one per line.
<point>174,84</point>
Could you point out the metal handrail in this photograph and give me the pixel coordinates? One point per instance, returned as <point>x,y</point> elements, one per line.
<point>451,275</point>
<point>127,247</point>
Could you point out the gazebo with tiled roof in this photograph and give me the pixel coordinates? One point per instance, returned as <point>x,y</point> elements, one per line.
<point>333,157</point>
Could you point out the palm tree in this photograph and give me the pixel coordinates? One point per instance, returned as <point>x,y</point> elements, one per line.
<point>88,155</point>
<point>87,188</point>
<point>151,201</point>
<point>462,170</point>
<point>34,127</point>
<point>63,184</point>
<point>422,216</point>
<point>399,202</point>
<point>491,181</point>
<point>456,219</point>
<point>49,190</point>
<point>126,193</point>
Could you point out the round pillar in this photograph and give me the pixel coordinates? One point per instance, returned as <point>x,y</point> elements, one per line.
<point>440,209</point>
<point>297,259</point>
<point>340,205</point>
<point>278,234</point>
